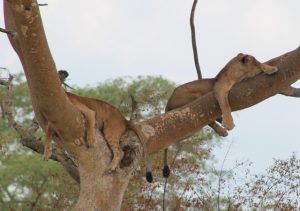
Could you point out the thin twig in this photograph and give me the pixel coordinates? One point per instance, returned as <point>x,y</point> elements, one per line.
<point>12,33</point>
<point>33,127</point>
<point>197,65</point>
<point>2,110</point>
<point>220,175</point>
<point>40,191</point>
<point>194,44</point>
<point>45,4</point>
<point>166,180</point>
<point>63,74</point>
<point>134,109</point>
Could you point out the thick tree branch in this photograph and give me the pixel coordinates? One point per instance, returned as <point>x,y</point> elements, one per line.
<point>31,45</point>
<point>51,104</point>
<point>177,124</point>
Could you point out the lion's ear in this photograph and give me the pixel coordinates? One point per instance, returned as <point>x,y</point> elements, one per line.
<point>246,59</point>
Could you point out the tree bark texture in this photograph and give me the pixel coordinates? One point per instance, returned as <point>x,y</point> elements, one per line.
<point>100,190</point>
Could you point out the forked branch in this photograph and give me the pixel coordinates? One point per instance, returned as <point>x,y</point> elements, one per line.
<point>27,137</point>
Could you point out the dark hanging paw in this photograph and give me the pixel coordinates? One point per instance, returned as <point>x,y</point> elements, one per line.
<point>166,171</point>
<point>149,176</point>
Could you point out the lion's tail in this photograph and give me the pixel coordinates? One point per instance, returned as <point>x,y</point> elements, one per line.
<point>133,126</point>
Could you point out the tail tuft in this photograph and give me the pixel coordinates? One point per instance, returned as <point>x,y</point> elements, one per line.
<point>149,176</point>
<point>166,171</point>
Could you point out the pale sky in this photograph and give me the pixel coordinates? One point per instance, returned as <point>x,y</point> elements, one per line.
<point>97,40</point>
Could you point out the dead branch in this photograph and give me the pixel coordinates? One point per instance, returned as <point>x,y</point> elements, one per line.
<point>7,107</point>
<point>194,43</point>
<point>33,127</point>
<point>134,109</point>
<point>50,102</point>
<point>11,33</point>
<point>27,137</point>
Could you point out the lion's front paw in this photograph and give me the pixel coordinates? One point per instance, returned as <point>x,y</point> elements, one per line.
<point>228,123</point>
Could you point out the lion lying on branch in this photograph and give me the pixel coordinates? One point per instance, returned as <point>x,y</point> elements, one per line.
<point>240,67</point>
<point>103,117</point>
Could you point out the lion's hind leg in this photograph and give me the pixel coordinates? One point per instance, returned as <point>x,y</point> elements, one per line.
<point>113,139</point>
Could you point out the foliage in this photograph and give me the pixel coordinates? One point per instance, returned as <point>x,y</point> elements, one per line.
<point>150,92</point>
<point>189,170</point>
<point>28,183</point>
<point>278,189</point>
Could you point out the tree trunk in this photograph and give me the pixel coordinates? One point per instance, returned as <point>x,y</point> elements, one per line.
<point>99,189</point>
<point>101,192</point>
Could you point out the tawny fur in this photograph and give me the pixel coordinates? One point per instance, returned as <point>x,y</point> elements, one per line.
<point>189,92</point>
<point>104,117</point>
<point>240,67</point>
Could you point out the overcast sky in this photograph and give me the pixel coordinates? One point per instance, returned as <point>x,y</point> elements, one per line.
<point>97,40</point>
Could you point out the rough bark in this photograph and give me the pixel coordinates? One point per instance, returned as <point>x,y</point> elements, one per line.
<point>180,123</point>
<point>97,187</point>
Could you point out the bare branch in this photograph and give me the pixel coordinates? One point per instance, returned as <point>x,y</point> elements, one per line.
<point>63,74</point>
<point>134,109</point>
<point>27,137</point>
<point>194,44</point>
<point>11,33</point>
<point>33,127</point>
<point>2,110</point>
<point>7,107</point>
<point>45,4</point>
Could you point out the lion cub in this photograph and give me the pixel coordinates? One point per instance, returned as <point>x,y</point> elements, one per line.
<point>105,118</point>
<point>240,67</point>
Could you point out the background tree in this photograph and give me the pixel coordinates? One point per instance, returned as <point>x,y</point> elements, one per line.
<point>23,17</point>
<point>26,182</point>
<point>57,188</point>
<point>29,182</point>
